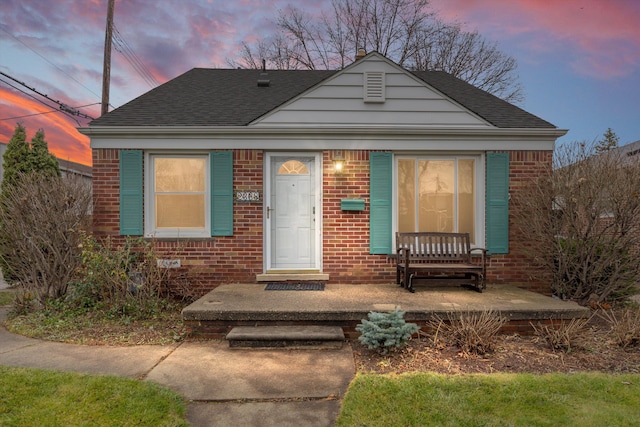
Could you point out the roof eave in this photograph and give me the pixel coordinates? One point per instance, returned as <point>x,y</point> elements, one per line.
<point>371,131</point>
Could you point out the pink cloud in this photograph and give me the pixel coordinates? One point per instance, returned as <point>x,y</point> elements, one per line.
<point>599,38</point>
<point>60,130</point>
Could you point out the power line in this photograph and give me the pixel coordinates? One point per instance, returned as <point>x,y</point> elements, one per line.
<point>28,94</point>
<point>125,49</point>
<point>63,107</point>
<point>87,105</point>
<point>51,63</point>
<point>36,99</point>
<point>29,115</point>
<point>144,71</point>
<point>121,46</point>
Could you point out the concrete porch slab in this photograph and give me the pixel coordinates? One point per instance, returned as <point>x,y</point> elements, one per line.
<point>346,305</point>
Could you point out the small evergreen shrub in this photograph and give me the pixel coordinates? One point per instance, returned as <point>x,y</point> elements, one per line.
<point>384,331</point>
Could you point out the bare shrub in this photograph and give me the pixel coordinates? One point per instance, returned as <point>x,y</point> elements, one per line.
<point>126,277</point>
<point>472,332</point>
<point>563,335</point>
<point>582,221</point>
<point>115,271</point>
<point>625,326</point>
<point>42,220</point>
<point>183,285</point>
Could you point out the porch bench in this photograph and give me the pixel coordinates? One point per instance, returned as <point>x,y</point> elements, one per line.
<point>441,256</point>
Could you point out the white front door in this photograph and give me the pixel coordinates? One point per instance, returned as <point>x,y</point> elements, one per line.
<point>292,202</point>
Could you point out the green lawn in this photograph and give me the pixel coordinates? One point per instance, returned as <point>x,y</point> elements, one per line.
<point>35,397</point>
<point>426,399</point>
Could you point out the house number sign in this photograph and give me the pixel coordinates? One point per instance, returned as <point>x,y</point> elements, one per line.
<point>248,196</point>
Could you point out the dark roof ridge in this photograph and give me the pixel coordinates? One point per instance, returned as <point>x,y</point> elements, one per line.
<point>232,97</point>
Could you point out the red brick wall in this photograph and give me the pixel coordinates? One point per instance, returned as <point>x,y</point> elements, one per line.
<point>346,255</point>
<point>106,192</point>
<point>236,258</point>
<point>345,245</point>
<point>516,267</point>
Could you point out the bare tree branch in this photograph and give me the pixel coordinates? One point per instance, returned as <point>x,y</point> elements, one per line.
<point>582,219</point>
<point>405,31</point>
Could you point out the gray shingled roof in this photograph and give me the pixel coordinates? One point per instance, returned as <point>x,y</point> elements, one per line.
<point>496,111</point>
<point>232,97</point>
<point>212,97</point>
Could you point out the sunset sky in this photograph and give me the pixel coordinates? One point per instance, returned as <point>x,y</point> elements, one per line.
<point>579,60</point>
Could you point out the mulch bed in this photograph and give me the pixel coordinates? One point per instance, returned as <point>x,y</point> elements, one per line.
<point>593,351</point>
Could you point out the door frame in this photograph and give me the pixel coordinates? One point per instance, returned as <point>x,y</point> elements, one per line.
<point>317,182</point>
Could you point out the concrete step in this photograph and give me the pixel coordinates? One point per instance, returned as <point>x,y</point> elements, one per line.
<point>307,336</point>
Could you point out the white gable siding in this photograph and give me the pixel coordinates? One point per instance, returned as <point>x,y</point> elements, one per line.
<point>340,101</point>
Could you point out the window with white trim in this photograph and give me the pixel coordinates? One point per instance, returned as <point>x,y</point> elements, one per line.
<point>177,202</point>
<point>439,193</point>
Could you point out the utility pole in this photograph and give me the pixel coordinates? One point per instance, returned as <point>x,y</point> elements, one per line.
<point>106,71</point>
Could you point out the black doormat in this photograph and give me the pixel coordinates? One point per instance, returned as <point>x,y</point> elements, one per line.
<point>304,286</point>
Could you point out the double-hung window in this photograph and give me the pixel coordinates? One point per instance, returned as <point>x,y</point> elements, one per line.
<point>440,194</point>
<point>177,202</point>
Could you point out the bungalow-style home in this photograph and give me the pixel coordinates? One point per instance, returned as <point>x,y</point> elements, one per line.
<point>273,175</point>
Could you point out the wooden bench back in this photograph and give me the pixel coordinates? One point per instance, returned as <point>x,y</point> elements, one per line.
<point>436,247</point>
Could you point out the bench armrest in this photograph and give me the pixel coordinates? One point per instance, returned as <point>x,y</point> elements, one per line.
<point>483,254</point>
<point>403,254</point>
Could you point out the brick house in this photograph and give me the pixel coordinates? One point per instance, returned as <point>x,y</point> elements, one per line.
<point>267,175</point>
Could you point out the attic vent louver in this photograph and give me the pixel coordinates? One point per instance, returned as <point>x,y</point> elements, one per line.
<point>374,86</point>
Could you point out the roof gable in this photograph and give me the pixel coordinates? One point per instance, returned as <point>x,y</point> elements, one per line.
<point>234,97</point>
<point>371,92</point>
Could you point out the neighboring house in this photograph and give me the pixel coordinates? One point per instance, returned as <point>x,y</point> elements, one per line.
<point>67,168</point>
<point>237,169</point>
<point>631,151</point>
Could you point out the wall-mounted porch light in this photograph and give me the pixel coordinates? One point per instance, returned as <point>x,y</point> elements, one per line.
<point>338,163</point>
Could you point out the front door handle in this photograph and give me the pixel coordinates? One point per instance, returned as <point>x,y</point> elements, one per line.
<point>269,211</point>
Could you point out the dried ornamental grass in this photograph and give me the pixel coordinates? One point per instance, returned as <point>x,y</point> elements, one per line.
<point>562,336</point>
<point>625,326</point>
<point>472,332</point>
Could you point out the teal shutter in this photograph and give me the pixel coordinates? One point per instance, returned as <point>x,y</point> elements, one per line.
<point>498,203</point>
<point>221,193</point>
<point>131,193</point>
<point>380,198</point>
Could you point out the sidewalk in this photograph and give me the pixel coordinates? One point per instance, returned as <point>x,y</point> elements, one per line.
<point>223,387</point>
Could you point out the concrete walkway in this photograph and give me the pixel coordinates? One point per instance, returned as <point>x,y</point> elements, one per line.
<point>244,387</point>
<point>223,386</point>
